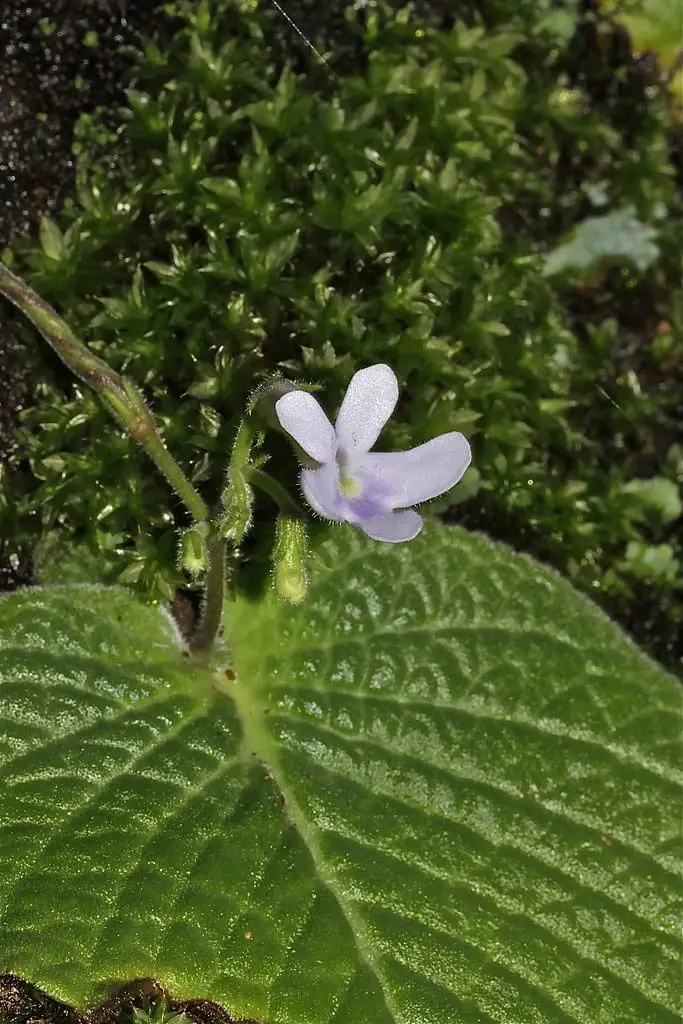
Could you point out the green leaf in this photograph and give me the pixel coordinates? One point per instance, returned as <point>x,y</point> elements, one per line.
<point>652,24</point>
<point>658,495</point>
<point>51,239</point>
<point>56,563</point>
<point>226,188</point>
<point>444,789</point>
<point>280,252</point>
<point>655,563</point>
<point>612,237</point>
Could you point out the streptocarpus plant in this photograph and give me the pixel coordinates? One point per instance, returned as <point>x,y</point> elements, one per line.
<point>444,788</point>
<point>342,480</point>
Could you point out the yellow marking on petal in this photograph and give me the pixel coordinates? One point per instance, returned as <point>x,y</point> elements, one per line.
<point>349,487</point>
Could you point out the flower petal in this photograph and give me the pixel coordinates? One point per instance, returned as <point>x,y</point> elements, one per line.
<point>321,489</point>
<point>394,527</point>
<point>303,418</point>
<point>420,473</point>
<point>368,403</point>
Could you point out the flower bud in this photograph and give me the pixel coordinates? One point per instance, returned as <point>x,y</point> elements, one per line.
<point>237,499</point>
<point>194,557</point>
<point>289,559</point>
<point>238,496</point>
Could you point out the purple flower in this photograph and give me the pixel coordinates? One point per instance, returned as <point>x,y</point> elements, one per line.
<point>346,482</point>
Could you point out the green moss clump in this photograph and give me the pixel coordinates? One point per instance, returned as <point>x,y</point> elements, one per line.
<point>245,219</point>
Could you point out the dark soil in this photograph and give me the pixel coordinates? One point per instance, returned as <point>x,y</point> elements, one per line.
<point>20,1001</point>
<point>52,72</point>
<point>15,372</point>
<point>60,58</point>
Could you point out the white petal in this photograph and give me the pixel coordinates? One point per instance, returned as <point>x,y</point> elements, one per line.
<point>420,473</point>
<point>368,403</point>
<point>321,489</point>
<point>303,418</point>
<point>394,527</point>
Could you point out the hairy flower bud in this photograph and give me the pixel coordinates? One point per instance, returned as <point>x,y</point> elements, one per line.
<point>289,559</point>
<point>237,499</point>
<point>193,555</point>
<point>238,496</point>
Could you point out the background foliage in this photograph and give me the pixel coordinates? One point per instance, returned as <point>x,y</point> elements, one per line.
<point>248,217</point>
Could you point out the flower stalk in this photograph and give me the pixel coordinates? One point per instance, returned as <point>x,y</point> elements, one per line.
<point>274,489</point>
<point>118,394</point>
<point>83,363</point>
<point>211,617</point>
<point>125,403</point>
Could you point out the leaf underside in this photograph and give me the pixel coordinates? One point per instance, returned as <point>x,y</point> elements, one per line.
<point>444,789</point>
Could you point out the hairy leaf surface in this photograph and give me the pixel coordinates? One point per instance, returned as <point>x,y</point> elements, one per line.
<point>444,789</point>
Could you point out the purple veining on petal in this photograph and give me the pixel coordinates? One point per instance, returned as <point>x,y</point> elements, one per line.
<point>374,499</point>
<point>367,506</point>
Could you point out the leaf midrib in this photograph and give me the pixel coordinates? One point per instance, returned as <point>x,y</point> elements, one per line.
<point>260,744</point>
<point>249,694</point>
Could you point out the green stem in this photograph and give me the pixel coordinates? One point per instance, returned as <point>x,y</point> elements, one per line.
<point>160,455</point>
<point>58,335</point>
<point>204,638</point>
<point>284,501</point>
<point>119,395</point>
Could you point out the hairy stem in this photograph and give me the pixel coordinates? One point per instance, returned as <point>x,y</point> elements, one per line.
<point>123,400</point>
<point>284,501</point>
<point>160,455</point>
<point>80,360</point>
<point>118,395</point>
<point>205,635</point>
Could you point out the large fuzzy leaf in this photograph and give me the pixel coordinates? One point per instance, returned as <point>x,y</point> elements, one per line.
<point>445,789</point>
